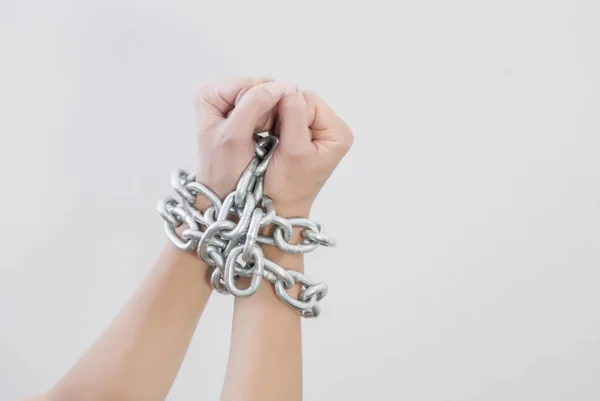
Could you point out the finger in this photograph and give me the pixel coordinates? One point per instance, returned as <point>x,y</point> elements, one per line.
<point>320,115</point>
<point>322,120</point>
<point>218,98</point>
<point>256,105</point>
<point>294,134</point>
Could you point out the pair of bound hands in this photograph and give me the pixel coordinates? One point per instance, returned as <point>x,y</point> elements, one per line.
<point>312,139</point>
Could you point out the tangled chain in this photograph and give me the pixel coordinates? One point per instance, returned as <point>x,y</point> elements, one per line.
<point>227,234</point>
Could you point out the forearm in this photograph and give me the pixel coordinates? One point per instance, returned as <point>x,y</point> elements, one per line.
<point>139,354</point>
<point>265,361</point>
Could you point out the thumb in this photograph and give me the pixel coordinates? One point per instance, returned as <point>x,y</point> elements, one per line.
<point>294,134</point>
<point>256,104</point>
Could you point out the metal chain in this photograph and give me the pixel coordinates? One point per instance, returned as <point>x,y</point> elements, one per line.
<point>226,234</point>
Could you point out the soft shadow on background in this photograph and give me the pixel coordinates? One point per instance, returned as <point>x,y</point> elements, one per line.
<point>467,214</point>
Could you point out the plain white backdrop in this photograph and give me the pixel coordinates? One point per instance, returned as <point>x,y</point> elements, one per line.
<point>467,213</point>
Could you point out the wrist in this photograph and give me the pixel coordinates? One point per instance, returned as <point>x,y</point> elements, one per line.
<point>202,203</point>
<point>292,210</point>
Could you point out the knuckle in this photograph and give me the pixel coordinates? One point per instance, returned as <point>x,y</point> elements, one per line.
<point>260,95</point>
<point>256,100</point>
<point>201,90</point>
<point>348,134</point>
<point>348,145</point>
<point>347,139</point>
<point>311,98</point>
<point>310,94</point>
<point>344,137</point>
<point>202,93</point>
<point>292,103</point>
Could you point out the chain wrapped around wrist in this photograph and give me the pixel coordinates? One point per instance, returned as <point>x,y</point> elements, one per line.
<point>227,234</point>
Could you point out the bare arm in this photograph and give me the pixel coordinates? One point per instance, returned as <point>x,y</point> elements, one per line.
<point>265,356</point>
<point>265,362</point>
<point>138,356</point>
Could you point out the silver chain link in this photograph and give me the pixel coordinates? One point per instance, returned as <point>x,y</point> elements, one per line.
<point>227,234</point>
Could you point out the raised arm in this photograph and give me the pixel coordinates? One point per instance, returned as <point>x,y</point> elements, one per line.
<point>265,362</point>
<point>139,354</point>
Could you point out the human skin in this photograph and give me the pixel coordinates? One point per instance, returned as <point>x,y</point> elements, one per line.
<point>139,354</point>
<point>265,361</point>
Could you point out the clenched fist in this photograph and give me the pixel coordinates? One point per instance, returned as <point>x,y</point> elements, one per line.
<point>313,139</point>
<point>227,114</point>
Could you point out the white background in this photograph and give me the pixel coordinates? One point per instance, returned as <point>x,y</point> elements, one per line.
<point>468,212</point>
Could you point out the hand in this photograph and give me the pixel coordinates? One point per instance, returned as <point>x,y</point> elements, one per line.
<point>312,141</point>
<point>227,114</point>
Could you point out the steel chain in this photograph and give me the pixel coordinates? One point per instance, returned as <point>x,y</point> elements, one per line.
<point>227,234</point>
